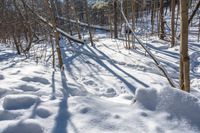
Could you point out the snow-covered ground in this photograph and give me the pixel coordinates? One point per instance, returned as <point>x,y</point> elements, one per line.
<point>103,89</point>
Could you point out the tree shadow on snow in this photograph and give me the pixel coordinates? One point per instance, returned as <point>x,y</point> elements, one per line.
<point>84,52</point>
<point>62,119</point>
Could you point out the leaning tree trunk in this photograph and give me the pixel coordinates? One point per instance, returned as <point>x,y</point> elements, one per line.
<point>194,12</point>
<point>184,60</point>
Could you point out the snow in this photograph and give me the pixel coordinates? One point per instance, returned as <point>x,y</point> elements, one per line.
<point>14,102</point>
<point>175,102</point>
<point>103,89</point>
<point>27,126</point>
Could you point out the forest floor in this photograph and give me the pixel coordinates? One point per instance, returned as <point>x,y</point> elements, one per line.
<point>103,89</point>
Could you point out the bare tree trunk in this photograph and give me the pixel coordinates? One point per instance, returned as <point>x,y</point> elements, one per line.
<point>88,21</point>
<point>16,42</point>
<point>110,25</point>
<point>133,21</point>
<point>199,30</point>
<point>184,60</point>
<point>162,22</point>
<point>115,19</point>
<point>153,2</point>
<point>56,33</point>
<point>177,15</point>
<point>53,53</point>
<point>172,22</point>
<point>127,29</point>
<point>68,16</point>
<point>77,21</point>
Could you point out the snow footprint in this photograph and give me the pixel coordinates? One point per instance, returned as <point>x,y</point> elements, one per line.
<point>14,102</point>
<point>6,115</point>
<point>43,112</point>
<point>26,126</point>
<point>27,88</point>
<point>109,92</point>
<point>36,79</point>
<point>90,82</point>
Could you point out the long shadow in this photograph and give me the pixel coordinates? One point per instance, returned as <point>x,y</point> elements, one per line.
<point>13,62</point>
<point>53,97</point>
<point>79,53</point>
<point>96,58</point>
<point>63,114</point>
<point>63,117</point>
<point>100,62</point>
<point>168,53</point>
<point>109,60</point>
<point>68,62</point>
<point>7,56</point>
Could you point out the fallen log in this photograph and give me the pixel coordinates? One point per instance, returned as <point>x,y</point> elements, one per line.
<point>62,32</point>
<point>85,24</point>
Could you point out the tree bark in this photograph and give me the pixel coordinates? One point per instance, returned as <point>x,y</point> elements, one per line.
<point>162,22</point>
<point>153,2</point>
<point>88,21</point>
<point>133,20</point>
<point>184,60</point>
<point>172,22</point>
<point>115,19</point>
<point>56,33</point>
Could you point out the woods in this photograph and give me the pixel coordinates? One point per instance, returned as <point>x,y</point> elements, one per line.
<point>99,66</point>
<point>25,27</point>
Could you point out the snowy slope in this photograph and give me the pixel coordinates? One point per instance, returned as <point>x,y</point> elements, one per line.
<point>103,89</point>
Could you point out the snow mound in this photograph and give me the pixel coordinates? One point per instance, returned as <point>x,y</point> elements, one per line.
<point>13,102</point>
<point>27,126</point>
<point>36,79</point>
<point>147,97</point>
<point>177,103</point>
